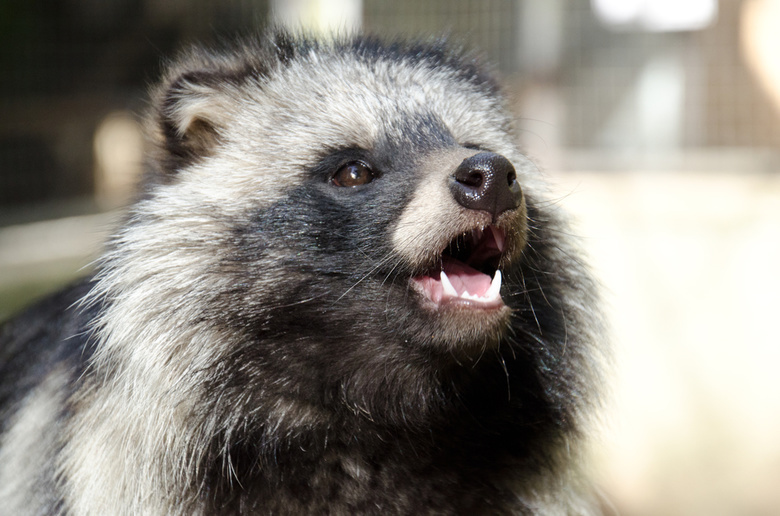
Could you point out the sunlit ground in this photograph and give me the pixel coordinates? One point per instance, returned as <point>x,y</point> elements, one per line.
<point>691,262</point>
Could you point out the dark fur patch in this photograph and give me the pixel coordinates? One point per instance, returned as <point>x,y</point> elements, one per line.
<point>32,333</point>
<point>436,53</point>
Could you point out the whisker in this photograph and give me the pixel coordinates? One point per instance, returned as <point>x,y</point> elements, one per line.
<point>376,267</point>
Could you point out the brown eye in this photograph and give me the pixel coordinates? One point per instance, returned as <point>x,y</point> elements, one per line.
<point>353,174</point>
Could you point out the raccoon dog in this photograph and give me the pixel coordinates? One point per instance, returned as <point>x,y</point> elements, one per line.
<point>341,291</point>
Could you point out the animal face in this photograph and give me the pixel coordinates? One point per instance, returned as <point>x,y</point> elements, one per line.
<point>380,189</point>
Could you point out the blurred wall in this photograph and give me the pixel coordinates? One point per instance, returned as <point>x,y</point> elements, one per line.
<point>582,84</point>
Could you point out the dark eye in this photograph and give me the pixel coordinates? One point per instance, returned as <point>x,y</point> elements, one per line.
<point>353,174</point>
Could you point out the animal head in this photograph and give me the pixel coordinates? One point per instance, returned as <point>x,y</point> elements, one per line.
<point>352,220</point>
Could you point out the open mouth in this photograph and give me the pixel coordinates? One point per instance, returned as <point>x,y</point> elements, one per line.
<point>467,272</point>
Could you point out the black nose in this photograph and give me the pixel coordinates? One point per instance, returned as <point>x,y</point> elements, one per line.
<point>486,182</point>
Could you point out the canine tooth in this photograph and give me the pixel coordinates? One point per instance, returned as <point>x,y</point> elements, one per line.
<point>498,236</point>
<point>447,285</point>
<point>495,287</point>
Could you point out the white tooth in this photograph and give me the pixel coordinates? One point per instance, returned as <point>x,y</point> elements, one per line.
<point>495,287</point>
<point>447,286</point>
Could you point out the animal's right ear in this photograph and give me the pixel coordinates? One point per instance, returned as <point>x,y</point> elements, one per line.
<point>198,99</point>
<point>193,109</point>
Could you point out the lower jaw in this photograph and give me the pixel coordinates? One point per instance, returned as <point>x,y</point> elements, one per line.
<point>462,329</point>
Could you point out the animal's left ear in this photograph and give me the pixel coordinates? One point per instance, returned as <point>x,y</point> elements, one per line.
<point>192,110</point>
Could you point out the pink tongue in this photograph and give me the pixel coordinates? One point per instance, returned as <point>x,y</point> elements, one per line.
<point>465,278</point>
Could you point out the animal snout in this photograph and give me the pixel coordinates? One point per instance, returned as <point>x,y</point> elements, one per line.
<point>486,182</point>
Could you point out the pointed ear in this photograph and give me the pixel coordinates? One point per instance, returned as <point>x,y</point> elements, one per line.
<point>199,98</point>
<point>191,111</point>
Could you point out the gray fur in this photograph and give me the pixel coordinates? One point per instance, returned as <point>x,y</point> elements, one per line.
<point>200,391</point>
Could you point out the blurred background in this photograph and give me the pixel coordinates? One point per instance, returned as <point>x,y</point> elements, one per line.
<point>657,121</point>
